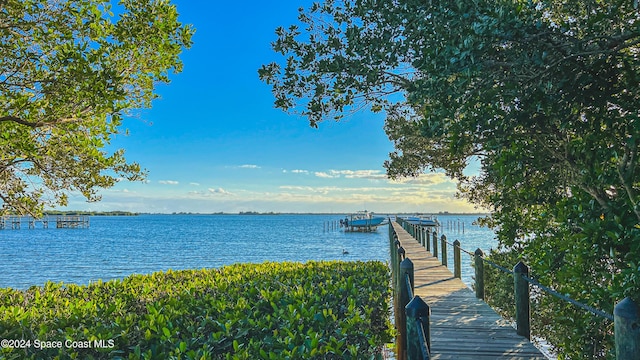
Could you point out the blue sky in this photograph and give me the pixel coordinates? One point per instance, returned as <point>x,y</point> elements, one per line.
<point>214,142</point>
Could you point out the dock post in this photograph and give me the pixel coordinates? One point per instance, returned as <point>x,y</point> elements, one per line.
<point>406,267</point>
<point>418,313</point>
<point>395,261</point>
<point>425,237</point>
<point>427,240</point>
<point>406,288</point>
<point>397,270</point>
<point>479,266</point>
<point>392,248</point>
<point>394,253</point>
<point>626,319</point>
<point>457,262</point>
<point>435,244</point>
<point>443,244</point>
<point>521,289</point>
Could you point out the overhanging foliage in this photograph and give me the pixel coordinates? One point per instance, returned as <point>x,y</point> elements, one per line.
<point>69,72</point>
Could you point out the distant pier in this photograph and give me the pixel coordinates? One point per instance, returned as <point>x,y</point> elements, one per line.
<point>67,222</point>
<point>61,222</point>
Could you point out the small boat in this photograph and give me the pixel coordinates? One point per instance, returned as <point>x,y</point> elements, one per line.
<point>362,221</point>
<point>423,221</point>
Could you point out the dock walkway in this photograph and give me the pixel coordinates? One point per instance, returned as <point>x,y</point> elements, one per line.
<point>462,326</point>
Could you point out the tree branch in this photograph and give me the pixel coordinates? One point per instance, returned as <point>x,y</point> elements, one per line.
<point>404,83</point>
<point>20,121</point>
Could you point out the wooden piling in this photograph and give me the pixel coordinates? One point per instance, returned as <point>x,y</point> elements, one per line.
<point>418,314</point>
<point>457,260</point>
<point>479,267</point>
<point>521,289</point>
<point>626,315</point>
<point>443,243</point>
<point>406,290</point>
<point>427,240</point>
<point>434,251</point>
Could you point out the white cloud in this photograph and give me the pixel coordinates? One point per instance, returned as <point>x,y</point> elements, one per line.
<point>249,166</point>
<point>352,174</point>
<point>345,190</point>
<point>381,197</point>
<point>209,193</point>
<point>424,179</point>
<point>168,182</point>
<point>364,174</point>
<point>322,174</point>
<point>218,191</point>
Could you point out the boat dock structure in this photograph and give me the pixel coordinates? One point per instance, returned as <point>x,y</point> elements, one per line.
<point>460,326</point>
<point>61,222</point>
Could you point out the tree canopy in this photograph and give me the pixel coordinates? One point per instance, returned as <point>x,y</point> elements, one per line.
<point>544,94</point>
<point>70,71</point>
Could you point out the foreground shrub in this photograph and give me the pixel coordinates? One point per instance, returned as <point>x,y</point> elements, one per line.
<point>246,311</point>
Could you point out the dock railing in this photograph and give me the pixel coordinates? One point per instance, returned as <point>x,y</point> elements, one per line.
<point>626,313</point>
<point>411,312</point>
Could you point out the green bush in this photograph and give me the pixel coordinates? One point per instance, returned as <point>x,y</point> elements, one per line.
<point>327,310</point>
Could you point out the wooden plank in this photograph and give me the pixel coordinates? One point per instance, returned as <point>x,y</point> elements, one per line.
<point>462,326</point>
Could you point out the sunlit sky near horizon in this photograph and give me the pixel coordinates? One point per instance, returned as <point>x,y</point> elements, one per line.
<point>214,142</point>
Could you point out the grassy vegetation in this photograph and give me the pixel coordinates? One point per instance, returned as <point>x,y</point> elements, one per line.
<point>316,310</point>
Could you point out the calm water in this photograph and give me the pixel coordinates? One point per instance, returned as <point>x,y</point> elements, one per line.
<point>115,247</point>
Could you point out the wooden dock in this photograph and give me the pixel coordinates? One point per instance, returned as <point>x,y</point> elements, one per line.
<point>62,222</point>
<point>462,326</point>
<point>72,222</point>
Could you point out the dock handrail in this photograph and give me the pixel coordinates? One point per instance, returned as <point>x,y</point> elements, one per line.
<point>411,312</point>
<point>626,315</point>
